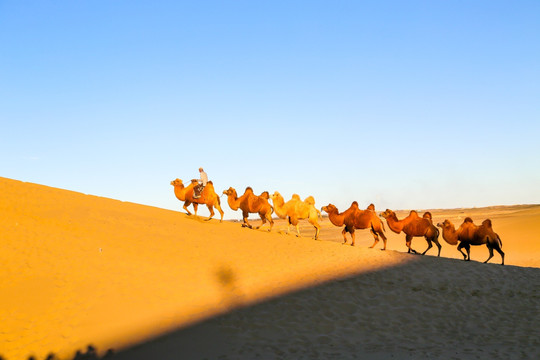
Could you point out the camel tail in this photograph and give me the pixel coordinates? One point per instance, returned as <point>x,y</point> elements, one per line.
<point>499,240</point>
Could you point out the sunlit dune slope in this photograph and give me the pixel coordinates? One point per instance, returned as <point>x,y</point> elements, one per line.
<point>80,269</point>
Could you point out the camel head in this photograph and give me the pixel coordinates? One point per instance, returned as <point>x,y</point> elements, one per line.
<point>277,198</point>
<point>446,224</point>
<point>230,192</point>
<point>330,208</point>
<point>388,213</point>
<point>177,182</point>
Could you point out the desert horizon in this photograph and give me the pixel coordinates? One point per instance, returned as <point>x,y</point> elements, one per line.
<point>146,282</point>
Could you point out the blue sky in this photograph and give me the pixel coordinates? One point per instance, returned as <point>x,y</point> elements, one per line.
<point>406,104</point>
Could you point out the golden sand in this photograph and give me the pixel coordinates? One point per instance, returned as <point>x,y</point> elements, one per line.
<point>80,269</point>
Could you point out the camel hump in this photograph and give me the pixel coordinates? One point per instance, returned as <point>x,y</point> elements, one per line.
<point>487,223</point>
<point>310,200</point>
<point>210,182</point>
<point>295,197</point>
<point>468,220</point>
<point>354,204</point>
<point>249,189</point>
<point>427,215</point>
<point>413,213</point>
<point>265,195</point>
<point>371,207</point>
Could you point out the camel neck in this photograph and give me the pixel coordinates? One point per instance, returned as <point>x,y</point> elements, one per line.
<point>180,192</point>
<point>450,234</point>
<point>278,207</point>
<point>336,218</point>
<point>233,201</point>
<point>394,224</point>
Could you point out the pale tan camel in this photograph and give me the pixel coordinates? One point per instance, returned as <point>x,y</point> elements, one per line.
<point>353,218</point>
<point>295,210</point>
<point>413,226</point>
<point>251,203</point>
<point>470,234</point>
<point>208,197</point>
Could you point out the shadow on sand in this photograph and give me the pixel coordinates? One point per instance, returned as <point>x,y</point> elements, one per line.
<point>434,308</point>
<point>428,308</point>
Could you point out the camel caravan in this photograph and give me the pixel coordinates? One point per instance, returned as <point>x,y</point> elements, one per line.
<point>350,220</point>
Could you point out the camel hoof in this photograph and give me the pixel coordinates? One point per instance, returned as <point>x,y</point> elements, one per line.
<point>352,244</point>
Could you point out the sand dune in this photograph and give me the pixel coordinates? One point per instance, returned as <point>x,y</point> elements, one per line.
<point>152,283</point>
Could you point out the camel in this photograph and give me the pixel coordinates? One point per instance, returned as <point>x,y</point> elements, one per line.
<point>251,203</point>
<point>208,197</point>
<point>470,234</point>
<point>295,210</point>
<point>353,218</point>
<point>413,226</point>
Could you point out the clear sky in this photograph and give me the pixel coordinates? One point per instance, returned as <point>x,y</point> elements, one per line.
<point>406,104</point>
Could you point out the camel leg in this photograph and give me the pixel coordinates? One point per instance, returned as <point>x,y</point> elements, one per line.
<point>288,225</point>
<point>502,255</point>
<point>352,236</point>
<point>264,217</point>
<point>268,217</point>
<point>211,209</point>
<point>461,246</point>
<point>316,225</point>
<point>375,236</point>
<point>436,241</point>
<point>186,204</point>
<point>271,221</point>
<point>499,250</point>
<point>294,222</point>
<point>218,207</point>
<point>381,234</point>
<point>408,241</point>
<point>429,245</point>
<point>245,216</point>
<point>263,221</point>
<point>343,232</point>
<point>490,252</point>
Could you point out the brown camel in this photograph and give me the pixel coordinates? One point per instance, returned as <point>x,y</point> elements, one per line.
<point>413,226</point>
<point>353,218</point>
<point>251,203</point>
<point>470,234</point>
<point>295,210</point>
<point>208,197</point>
